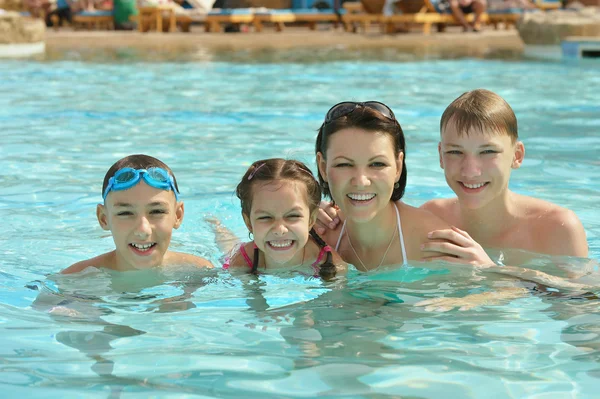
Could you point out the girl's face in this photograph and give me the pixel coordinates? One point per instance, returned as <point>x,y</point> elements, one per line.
<point>477,166</point>
<point>361,170</point>
<point>280,221</point>
<point>141,220</point>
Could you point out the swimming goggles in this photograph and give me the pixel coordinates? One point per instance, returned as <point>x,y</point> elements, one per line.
<point>347,107</point>
<point>128,177</point>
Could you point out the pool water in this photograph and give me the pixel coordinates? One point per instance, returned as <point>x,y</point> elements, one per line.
<point>188,333</point>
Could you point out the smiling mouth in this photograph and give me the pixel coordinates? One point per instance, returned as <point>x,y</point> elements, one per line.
<point>473,186</point>
<point>280,245</point>
<point>142,247</point>
<point>361,197</point>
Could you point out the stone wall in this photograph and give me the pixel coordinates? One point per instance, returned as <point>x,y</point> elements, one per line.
<point>12,5</point>
<point>551,27</point>
<point>17,29</point>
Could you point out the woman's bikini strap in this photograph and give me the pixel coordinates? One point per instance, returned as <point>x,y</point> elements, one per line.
<point>337,244</point>
<point>400,236</point>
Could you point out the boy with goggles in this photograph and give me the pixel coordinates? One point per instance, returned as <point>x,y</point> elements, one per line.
<point>141,208</point>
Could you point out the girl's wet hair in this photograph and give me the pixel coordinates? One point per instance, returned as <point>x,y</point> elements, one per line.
<point>370,120</point>
<point>270,170</point>
<point>137,161</point>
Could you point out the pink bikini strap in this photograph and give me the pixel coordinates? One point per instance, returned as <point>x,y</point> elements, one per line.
<point>322,253</point>
<point>245,254</point>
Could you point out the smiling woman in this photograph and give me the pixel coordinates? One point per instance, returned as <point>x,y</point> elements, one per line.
<point>361,158</point>
<point>141,208</point>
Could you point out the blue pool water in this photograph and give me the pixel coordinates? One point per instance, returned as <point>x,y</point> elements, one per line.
<point>188,333</point>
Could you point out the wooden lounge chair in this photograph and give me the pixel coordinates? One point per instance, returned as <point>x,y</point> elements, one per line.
<point>279,17</point>
<point>509,17</point>
<point>425,14</point>
<point>217,17</point>
<point>362,14</point>
<point>548,4</point>
<point>93,20</point>
<point>151,18</point>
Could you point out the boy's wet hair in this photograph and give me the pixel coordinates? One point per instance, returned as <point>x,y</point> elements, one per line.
<point>481,110</point>
<point>368,119</point>
<point>278,169</point>
<point>137,161</point>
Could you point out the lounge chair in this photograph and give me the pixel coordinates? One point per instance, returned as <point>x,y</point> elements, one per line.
<point>279,17</point>
<point>548,4</point>
<point>97,19</point>
<point>362,14</point>
<point>425,13</point>
<point>236,16</point>
<point>167,16</point>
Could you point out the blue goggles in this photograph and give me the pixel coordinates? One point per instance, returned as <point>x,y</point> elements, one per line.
<point>128,177</point>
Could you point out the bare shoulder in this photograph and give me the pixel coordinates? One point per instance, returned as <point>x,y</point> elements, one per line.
<point>238,260</point>
<point>563,231</point>
<point>420,219</point>
<point>106,260</point>
<point>443,208</point>
<point>181,258</point>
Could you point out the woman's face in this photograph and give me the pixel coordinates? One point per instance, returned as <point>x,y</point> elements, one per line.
<point>361,170</point>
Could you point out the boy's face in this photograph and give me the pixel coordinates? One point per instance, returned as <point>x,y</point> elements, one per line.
<point>280,221</point>
<point>477,166</point>
<point>141,220</point>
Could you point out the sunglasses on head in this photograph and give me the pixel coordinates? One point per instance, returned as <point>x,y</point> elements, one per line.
<point>347,107</point>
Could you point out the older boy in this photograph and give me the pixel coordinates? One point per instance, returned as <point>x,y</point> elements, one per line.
<point>478,150</point>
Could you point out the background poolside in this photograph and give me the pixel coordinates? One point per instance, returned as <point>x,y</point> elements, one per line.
<point>65,120</point>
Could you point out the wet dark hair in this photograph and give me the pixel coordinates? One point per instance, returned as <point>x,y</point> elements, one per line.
<point>370,120</point>
<point>277,169</point>
<point>136,161</point>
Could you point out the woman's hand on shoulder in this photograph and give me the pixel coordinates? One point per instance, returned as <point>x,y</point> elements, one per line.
<point>456,246</point>
<point>328,218</point>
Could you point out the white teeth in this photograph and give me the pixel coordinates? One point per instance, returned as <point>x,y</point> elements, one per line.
<point>142,246</point>
<point>361,197</point>
<point>474,185</point>
<point>281,243</point>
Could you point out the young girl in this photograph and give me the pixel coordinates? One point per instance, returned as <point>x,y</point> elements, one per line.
<point>280,199</point>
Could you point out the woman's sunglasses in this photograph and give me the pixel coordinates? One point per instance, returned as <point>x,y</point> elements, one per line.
<point>347,107</point>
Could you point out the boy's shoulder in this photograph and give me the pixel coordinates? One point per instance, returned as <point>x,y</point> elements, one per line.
<point>101,261</point>
<point>563,231</point>
<point>426,217</point>
<point>545,213</point>
<point>182,258</point>
<point>440,206</point>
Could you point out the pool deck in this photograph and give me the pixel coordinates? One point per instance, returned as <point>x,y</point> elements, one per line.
<point>453,42</point>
